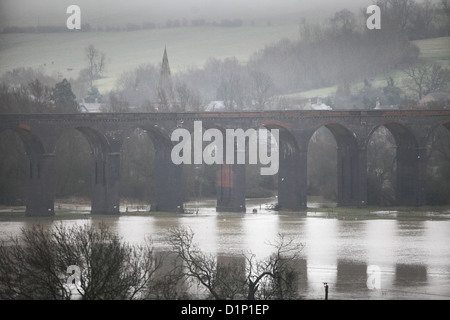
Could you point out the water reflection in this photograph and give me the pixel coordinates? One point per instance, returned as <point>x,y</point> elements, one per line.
<point>380,239</point>
<point>413,256</point>
<point>259,233</point>
<point>351,276</point>
<point>407,274</point>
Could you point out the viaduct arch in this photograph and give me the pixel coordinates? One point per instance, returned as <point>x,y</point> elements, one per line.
<point>106,133</point>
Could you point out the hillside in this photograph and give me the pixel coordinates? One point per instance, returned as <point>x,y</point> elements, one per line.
<point>435,49</point>
<point>63,53</point>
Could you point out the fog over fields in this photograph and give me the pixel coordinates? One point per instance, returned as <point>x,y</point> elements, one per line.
<point>62,53</point>
<point>110,12</point>
<point>144,56</point>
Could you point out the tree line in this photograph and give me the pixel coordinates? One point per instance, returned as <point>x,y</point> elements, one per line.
<point>88,262</point>
<point>418,20</point>
<point>130,26</point>
<point>338,52</point>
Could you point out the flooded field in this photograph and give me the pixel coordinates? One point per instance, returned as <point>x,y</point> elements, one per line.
<point>411,257</point>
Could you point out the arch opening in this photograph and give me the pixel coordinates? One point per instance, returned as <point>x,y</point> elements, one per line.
<point>38,171</point>
<point>261,190</point>
<point>75,168</point>
<point>150,177</point>
<point>333,154</point>
<point>322,169</point>
<point>137,171</point>
<point>393,166</point>
<point>438,166</point>
<point>289,181</point>
<point>216,176</point>
<point>86,172</point>
<point>13,169</point>
<point>381,168</point>
<point>208,183</point>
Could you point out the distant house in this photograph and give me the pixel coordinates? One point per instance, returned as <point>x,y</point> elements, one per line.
<point>319,105</point>
<point>386,107</point>
<point>435,97</point>
<point>379,106</point>
<point>91,107</point>
<point>216,106</point>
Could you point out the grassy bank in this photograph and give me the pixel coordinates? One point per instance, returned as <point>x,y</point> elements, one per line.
<point>400,212</point>
<point>19,215</point>
<point>371,212</point>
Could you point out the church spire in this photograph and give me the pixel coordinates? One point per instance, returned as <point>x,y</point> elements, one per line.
<point>165,63</point>
<point>165,78</point>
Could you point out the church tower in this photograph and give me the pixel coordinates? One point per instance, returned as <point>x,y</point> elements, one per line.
<point>165,86</point>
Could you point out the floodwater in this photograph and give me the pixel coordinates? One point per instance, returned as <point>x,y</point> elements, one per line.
<point>383,258</point>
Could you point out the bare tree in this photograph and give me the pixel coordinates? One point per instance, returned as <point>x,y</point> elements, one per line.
<point>40,92</point>
<point>199,265</point>
<point>425,77</point>
<point>232,85</point>
<point>35,266</point>
<point>187,97</point>
<point>344,21</point>
<point>196,100</point>
<point>169,282</point>
<point>397,12</point>
<point>445,4</point>
<point>274,277</point>
<point>445,9</point>
<point>164,101</point>
<point>270,278</point>
<point>262,88</point>
<point>116,102</point>
<point>423,18</point>
<point>183,94</point>
<point>96,63</point>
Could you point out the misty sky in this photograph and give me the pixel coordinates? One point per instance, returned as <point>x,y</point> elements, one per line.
<point>110,12</point>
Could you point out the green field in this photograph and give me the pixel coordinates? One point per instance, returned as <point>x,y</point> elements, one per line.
<point>63,53</point>
<point>436,49</point>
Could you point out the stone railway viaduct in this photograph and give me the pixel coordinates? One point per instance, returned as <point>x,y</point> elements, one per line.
<point>106,133</point>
